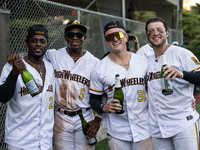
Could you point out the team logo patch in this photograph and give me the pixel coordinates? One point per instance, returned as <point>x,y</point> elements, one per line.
<point>76,22</point>
<point>195,61</point>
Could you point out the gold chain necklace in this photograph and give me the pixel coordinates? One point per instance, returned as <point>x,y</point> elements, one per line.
<point>32,64</point>
<point>119,63</point>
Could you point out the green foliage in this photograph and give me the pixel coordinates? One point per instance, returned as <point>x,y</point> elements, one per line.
<point>142,16</point>
<point>102,145</point>
<point>195,46</point>
<point>190,24</point>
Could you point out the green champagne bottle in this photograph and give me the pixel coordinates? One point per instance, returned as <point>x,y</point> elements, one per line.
<point>118,94</point>
<point>85,127</point>
<point>30,83</point>
<point>167,88</point>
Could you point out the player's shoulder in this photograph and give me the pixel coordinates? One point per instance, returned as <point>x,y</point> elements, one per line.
<point>102,63</point>
<point>139,58</point>
<point>145,47</point>
<point>54,51</point>
<point>90,56</point>
<point>179,51</point>
<point>47,63</point>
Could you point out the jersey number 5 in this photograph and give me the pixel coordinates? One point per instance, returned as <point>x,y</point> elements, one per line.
<point>82,94</point>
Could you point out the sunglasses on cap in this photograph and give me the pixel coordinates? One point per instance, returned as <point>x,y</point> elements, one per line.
<point>119,35</point>
<point>78,34</point>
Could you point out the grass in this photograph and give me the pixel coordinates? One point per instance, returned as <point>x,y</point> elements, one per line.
<point>103,145</point>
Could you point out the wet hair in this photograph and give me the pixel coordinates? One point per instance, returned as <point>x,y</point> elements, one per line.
<point>156,19</point>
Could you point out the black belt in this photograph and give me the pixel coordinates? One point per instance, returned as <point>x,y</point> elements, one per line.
<point>72,113</point>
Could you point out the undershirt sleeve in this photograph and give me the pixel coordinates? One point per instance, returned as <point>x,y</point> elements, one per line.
<point>192,77</point>
<point>7,89</point>
<point>96,103</point>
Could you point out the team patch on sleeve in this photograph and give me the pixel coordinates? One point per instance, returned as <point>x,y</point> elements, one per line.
<point>195,61</point>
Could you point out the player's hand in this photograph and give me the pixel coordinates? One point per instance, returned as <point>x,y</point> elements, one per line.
<point>94,127</point>
<point>18,66</point>
<point>194,104</point>
<point>112,106</point>
<point>12,57</point>
<point>171,72</point>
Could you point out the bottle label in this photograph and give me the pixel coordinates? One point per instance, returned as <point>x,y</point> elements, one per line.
<point>32,87</point>
<point>90,141</point>
<point>166,84</point>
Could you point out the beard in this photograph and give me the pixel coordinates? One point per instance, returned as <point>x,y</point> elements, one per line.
<point>159,44</point>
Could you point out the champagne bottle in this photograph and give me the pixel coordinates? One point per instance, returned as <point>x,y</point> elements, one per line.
<point>118,94</point>
<point>30,83</point>
<point>167,88</point>
<point>85,127</point>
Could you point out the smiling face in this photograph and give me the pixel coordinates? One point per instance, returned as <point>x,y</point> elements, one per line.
<point>116,44</point>
<point>157,34</point>
<point>37,46</point>
<point>75,43</point>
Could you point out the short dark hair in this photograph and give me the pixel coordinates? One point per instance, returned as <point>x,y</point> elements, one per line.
<point>156,19</point>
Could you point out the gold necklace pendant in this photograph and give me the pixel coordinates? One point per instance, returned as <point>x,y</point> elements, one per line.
<point>40,70</point>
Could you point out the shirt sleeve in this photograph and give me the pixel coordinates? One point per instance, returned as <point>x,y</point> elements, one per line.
<point>7,83</point>
<point>188,60</point>
<point>96,85</point>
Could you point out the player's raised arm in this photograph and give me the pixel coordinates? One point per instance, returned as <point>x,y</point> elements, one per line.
<point>6,90</point>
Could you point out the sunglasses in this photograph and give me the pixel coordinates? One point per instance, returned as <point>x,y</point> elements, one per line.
<point>119,35</point>
<point>78,34</point>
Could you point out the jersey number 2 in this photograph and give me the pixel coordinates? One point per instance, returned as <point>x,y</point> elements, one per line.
<point>51,103</point>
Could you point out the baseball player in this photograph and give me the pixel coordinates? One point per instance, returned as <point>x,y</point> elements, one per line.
<point>145,50</point>
<point>72,67</point>
<point>128,130</point>
<point>29,120</point>
<point>173,123</point>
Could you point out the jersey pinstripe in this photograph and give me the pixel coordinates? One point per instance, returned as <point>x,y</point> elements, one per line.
<point>171,114</point>
<point>29,120</point>
<point>133,124</point>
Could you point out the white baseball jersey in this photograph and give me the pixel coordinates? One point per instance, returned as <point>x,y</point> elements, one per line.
<point>72,79</point>
<point>132,125</point>
<point>29,120</point>
<point>145,51</point>
<point>171,114</point>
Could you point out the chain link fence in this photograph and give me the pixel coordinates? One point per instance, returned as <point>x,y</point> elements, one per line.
<point>55,16</point>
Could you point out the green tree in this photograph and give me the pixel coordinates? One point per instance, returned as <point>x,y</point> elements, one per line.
<point>190,24</point>
<point>140,15</point>
<point>195,46</point>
